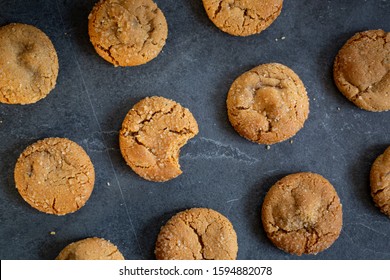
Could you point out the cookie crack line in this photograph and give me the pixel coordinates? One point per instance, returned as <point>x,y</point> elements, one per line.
<point>108,52</point>
<point>113,252</point>
<point>375,193</point>
<point>218,10</point>
<point>361,93</point>
<point>200,240</point>
<point>152,116</point>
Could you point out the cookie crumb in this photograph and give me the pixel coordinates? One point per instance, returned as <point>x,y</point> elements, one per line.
<point>268,147</point>
<point>291,141</point>
<point>52,233</point>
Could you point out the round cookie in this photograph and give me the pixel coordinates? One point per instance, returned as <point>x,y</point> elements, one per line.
<point>152,134</point>
<point>127,32</point>
<point>380,182</point>
<point>93,248</point>
<point>302,214</point>
<point>197,234</point>
<point>242,17</point>
<point>268,104</point>
<point>361,70</point>
<point>55,176</point>
<point>28,64</point>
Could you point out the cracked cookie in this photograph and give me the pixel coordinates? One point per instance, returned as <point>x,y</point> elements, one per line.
<point>268,104</point>
<point>28,64</point>
<point>242,17</point>
<point>302,214</point>
<point>127,32</point>
<point>55,176</point>
<point>92,248</point>
<point>361,70</point>
<point>197,234</point>
<point>380,182</point>
<point>152,134</point>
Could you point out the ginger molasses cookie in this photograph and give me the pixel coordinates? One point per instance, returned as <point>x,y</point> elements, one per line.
<point>197,234</point>
<point>92,248</point>
<point>243,17</point>
<point>127,32</point>
<point>302,214</point>
<point>152,134</point>
<point>28,64</point>
<point>380,182</point>
<point>55,176</point>
<point>268,104</point>
<point>361,70</point>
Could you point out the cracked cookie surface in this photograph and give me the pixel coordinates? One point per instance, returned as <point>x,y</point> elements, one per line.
<point>268,104</point>
<point>127,32</point>
<point>380,182</point>
<point>242,17</point>
<point>28,64</point>
<point>152,134</point>
<point>361,70</point>
<point>55,176</point>
<point>92,248</point>
<point>302,214</point>
<point>197,234</point>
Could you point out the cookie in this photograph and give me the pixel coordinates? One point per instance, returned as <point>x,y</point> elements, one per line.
<point>242,17</point>
<point>302,214</point>
<point>152,134</point>
<point>28,64</point>
<point>268,104</point>
<point>380,182</point>
<point>90,249</point>
<point>197,234</point>
<point>361,70</point>
<point>127,32</point>
<point>55,176</point>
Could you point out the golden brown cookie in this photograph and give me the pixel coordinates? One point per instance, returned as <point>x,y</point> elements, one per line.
<point>197,234</point>
<point>380,182</point>
<point>152,134</point>
<point>361,70</point>
<point>242,17</point>
<point>268,104</point>
<point>55,176</point>
<point>28,64</point>
<point>90,249</point>
<point>302,214</point>
<point>127,32</point>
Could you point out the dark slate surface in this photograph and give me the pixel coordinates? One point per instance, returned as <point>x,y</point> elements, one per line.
<point>221,170</point>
